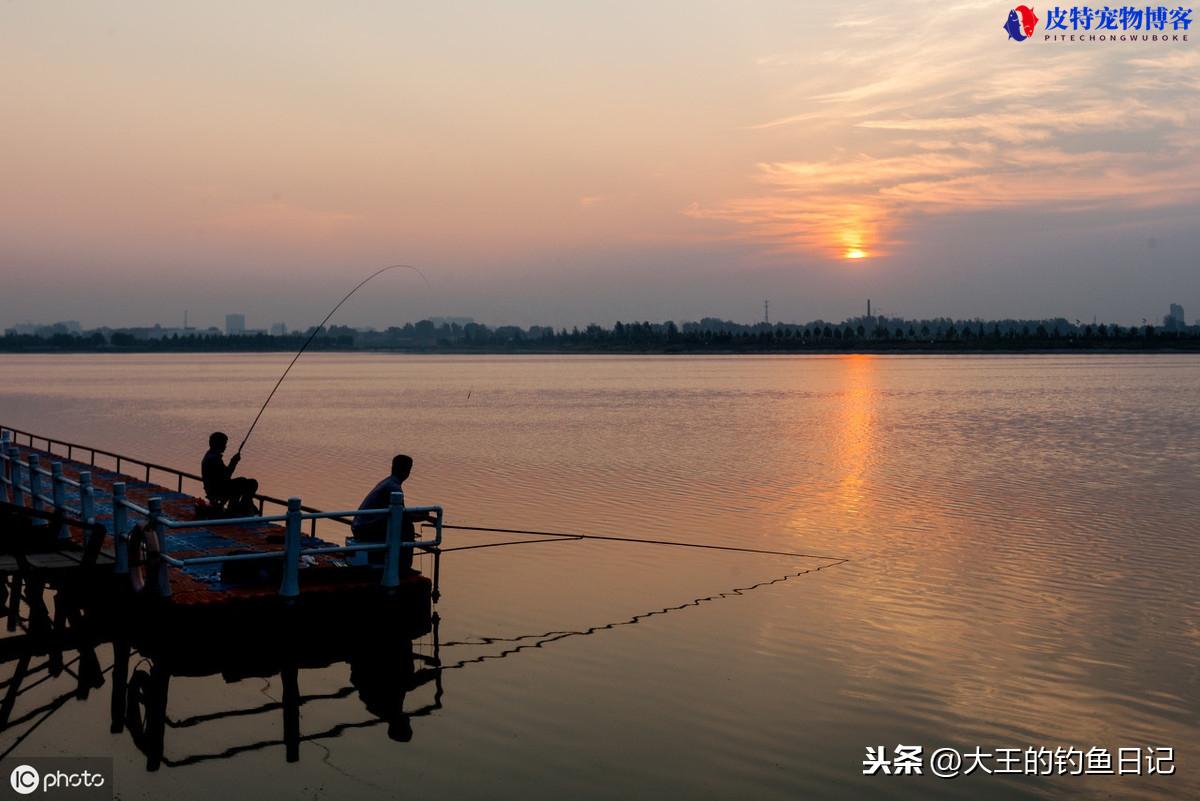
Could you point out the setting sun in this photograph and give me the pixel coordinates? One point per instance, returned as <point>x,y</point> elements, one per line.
<point>855,253</point>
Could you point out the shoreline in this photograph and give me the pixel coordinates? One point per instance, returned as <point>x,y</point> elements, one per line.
<point>880,349</point>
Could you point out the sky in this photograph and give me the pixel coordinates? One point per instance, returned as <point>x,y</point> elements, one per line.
<point>565,163</point>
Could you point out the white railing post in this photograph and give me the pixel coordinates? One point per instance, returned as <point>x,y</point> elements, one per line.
<point>35,486</point>
<point>160,531</point>
<point>120,532</point>
<point>58,491</point>
<point>5,469</point>
<point>5,481</point>
<point>87,498</point>
<point>395,531</point>
<point>14,470</point>
<point>289,587</point>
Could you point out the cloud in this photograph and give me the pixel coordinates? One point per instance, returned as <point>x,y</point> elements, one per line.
<point>947,118</point>
<point>280,220</point>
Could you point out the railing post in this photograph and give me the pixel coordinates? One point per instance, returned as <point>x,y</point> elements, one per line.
<point>35,486</point>
<point>120,530</point>
<point>5,470</point>
<point>395,530</point>
<point>87,498</point>
<point>155,520</point>
<point>58,491</point>
<point>289,587</point>
<point>14,471</point>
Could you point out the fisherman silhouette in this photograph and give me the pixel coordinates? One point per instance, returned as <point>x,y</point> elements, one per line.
<point>224,492</point>
<point>373,527</point>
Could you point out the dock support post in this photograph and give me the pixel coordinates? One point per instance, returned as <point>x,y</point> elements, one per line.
<point>156,714</point>
<point>14,602</point>
<point>59,493</point>
<point>437,575</point>
<point>120,530</point>
<point>35,486</point>
<point>160,531</point>
<point>120,684</point>
<point>395,529</point>
<point>14,471</point>
<point>289,587</point>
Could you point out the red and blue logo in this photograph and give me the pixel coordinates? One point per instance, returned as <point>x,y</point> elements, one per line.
<point>1021,22</point>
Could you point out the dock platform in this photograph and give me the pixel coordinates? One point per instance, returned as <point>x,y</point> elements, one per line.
<point>186,566</point>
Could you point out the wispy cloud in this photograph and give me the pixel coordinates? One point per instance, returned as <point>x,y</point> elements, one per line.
<point>947,117</point>
<point>281,220</point>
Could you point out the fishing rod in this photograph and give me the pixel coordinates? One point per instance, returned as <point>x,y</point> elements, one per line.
<point>317,330</point>
<point>575,536</point>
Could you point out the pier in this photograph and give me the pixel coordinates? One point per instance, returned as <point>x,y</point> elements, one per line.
<point>156,541</point>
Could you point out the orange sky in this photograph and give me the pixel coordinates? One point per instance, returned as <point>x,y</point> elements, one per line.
<point>583,160</point>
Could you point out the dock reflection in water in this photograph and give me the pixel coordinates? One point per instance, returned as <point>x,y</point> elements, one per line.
<point>390,654</point>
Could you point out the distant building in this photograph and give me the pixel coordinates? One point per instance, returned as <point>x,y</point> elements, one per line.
<point>278,329</point>
<point>441,321</point>
<point>1174,321</point>
<point>235,324</point>
<point>42,330</point>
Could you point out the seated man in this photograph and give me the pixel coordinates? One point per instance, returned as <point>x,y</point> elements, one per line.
<point>236,495</point>
<point>373,528</point>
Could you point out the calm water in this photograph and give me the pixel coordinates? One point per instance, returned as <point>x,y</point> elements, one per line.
<point>1022,536</point>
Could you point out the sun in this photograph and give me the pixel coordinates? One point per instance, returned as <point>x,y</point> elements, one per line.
<point>855,253</point>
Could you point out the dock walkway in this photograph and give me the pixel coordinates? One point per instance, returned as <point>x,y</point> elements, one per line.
<point>195,584</point>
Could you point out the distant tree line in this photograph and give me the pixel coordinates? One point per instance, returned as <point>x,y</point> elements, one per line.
<point>711,335</point>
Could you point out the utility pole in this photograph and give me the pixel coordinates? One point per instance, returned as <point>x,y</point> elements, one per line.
<point>767,312</point>
<point>868,307</point>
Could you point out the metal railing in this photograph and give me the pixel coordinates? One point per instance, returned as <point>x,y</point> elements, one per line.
<point>87,454</point>
<point>19,480</point>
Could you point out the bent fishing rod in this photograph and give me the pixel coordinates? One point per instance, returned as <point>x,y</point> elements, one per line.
<point>316,331</point>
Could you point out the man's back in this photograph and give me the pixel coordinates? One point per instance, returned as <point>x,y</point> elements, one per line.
<point>214,472</point>
<point>378,498</point>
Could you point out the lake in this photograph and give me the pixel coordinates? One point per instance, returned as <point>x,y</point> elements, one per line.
<point>1021,537</point>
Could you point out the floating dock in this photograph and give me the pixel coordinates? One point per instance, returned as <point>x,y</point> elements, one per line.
<point>134,560</point>
<point>156,542</point>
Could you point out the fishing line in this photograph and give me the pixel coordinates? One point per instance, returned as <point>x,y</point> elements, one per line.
<point>541,640</point>
<point>572,535</point>
<point>317,330</point>
<point>506,542</point>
